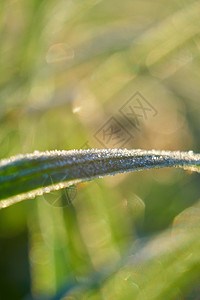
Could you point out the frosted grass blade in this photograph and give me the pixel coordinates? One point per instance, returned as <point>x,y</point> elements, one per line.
<point>26,176</point>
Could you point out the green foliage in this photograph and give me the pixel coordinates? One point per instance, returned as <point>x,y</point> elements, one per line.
<point>25,173</point>
<point>66,68</point>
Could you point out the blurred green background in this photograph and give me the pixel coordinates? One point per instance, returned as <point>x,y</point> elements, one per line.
<point>68,70</point>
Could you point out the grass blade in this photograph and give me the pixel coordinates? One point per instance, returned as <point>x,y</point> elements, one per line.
<point>26,176</point>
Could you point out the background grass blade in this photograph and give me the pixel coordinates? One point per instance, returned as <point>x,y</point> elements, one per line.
<point>26,176</point>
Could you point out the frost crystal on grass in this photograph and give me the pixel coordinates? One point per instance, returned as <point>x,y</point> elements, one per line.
<point>23,176</point>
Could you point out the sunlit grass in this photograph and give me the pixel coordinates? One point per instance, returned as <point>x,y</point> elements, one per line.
<point>66,68</point>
